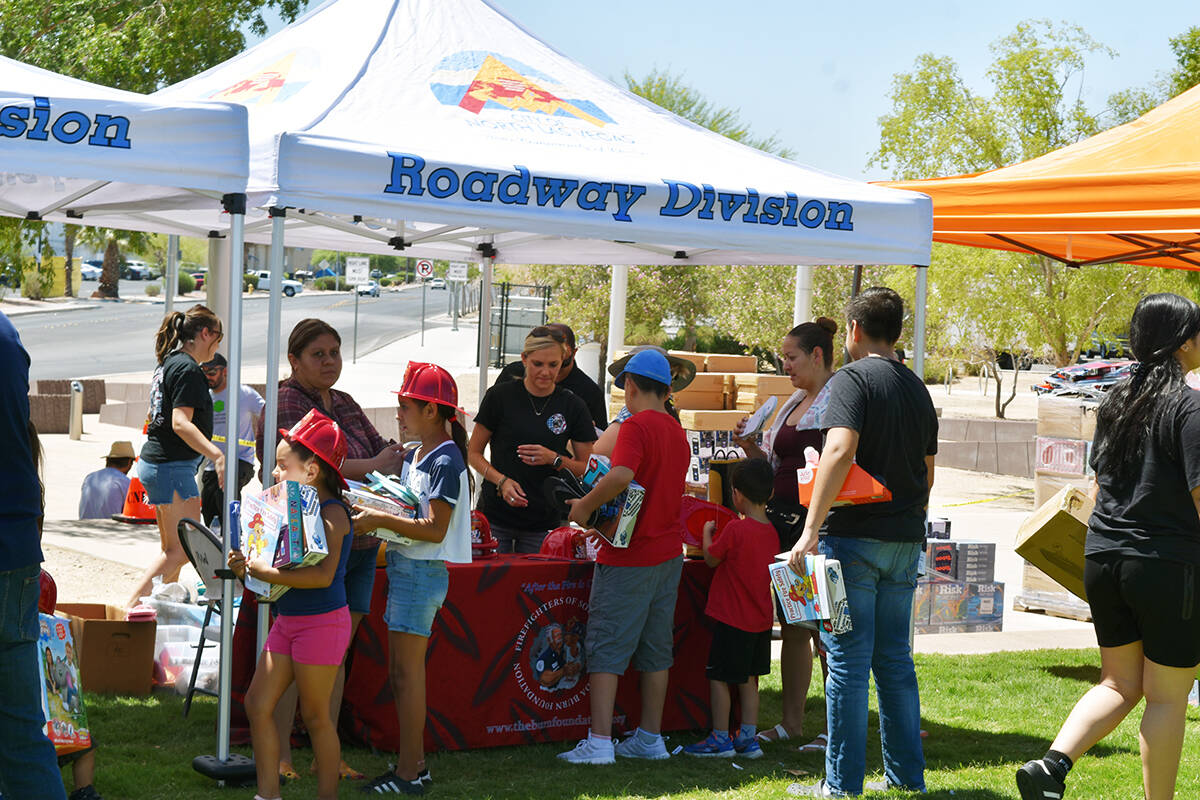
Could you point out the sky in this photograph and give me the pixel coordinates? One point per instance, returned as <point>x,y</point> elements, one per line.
<point>818,74</point>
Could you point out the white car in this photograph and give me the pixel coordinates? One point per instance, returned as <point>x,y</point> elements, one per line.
<point>370,288</point>
<point>437,283</point>
<point>290,287</point>
<point>90,270</point>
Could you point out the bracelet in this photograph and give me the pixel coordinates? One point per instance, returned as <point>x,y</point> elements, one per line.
<point>500,485</point>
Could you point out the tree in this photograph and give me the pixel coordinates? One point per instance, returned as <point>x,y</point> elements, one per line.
<point>938,126</point>
<point>113,243</point>
<point>139,47</point>
<point>669,91</point>
<point>1186,47</point>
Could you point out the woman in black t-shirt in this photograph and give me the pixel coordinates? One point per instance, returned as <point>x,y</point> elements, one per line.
<point>535,427</point>
<point>178,433</point>
<point>807,354</point>
<point>1142,554</point>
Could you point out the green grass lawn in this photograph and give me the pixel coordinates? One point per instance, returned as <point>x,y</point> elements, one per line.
<point>985,716</point>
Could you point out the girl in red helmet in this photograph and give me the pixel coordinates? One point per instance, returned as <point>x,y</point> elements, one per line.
<point>312,630</point>
<point>417,575</point>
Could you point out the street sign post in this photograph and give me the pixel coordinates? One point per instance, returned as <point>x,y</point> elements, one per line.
<point>358,270</point>
<point>457,275</point>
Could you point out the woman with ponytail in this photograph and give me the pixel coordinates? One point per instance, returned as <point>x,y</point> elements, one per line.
<point>436,471</point>
<point>807,354</point>
<point>178,433</point>
<point>1142,554</point>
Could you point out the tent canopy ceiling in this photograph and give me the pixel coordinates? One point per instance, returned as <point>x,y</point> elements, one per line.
<point>68,144</point>
<point>442,124</point>
<point>1130,194</point>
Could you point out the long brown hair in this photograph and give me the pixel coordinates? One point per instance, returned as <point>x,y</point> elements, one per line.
<point>179,327</point>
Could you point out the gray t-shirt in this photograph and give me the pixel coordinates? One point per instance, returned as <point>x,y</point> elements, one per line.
<point>897,426</point>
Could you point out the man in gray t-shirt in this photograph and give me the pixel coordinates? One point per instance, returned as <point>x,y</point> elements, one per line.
<point>880,416</point>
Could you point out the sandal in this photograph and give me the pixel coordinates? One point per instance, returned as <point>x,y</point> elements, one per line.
<point>345,772</point>
<point>817,745</point>
<point>288,772</point>
<point>776,734</point>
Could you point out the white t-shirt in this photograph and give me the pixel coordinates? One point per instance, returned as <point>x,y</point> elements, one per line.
<point>103,494</point>
<point>440,475</point>
<point>250,406</point>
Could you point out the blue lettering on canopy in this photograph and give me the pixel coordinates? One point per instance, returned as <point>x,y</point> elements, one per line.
<point>443,182</point>
<point>554,190</point>
<point>839,217</point>
<point>405,168</point>
<point>672,208</point>
<point>70,127</point>
<point>813,214</point>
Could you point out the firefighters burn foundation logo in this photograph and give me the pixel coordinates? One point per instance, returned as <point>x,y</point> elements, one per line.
<point>548,660</point>
<point>481,82</point>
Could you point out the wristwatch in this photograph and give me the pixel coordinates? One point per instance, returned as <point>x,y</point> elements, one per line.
<point>557,462</point>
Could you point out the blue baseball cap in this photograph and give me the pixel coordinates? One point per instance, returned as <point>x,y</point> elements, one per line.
<point>649,364</point>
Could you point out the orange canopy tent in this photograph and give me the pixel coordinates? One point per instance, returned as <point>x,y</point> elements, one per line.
<point>1130,194</point>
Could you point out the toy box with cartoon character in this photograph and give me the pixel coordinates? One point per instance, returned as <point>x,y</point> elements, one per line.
<point>302,532</point>
<point>816,596</point>
<point>62,693</point>
<point>615,520</point>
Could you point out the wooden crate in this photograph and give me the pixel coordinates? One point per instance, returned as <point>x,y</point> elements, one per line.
<point>1066,418</point>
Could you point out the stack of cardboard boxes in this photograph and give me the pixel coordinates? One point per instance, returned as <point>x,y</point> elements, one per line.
<point>1065,430</point>
<point>958,592</point>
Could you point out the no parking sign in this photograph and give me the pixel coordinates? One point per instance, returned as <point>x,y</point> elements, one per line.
<point>424,268</point>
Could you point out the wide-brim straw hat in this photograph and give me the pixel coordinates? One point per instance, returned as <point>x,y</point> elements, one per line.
<point>683,371</point>
<point>121,450</point>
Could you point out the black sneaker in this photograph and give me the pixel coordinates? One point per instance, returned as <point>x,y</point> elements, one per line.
<point>424,777</point>
<point>1035,782</point>
<point>391,783</point>
<point>86,793</point>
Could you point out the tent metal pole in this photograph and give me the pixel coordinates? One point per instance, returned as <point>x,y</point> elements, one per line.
<point>172,273</point>
<point>919,308</point>
<point>487,266</point>
<point>802,308</point>
<point>235,204</point>
<point>271,412</point>
<point>618,291</point>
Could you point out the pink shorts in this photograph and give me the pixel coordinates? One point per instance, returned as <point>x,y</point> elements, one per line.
<point>312,639</point>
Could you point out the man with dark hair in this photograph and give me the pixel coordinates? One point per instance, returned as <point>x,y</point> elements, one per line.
<point>569,377</point>
<point>880,416</point>
<point>250,408</point>
<point>28,766</point>
<point>103,491</point>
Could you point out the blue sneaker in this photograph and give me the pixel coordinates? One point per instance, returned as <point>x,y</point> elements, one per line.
<point>712,747</point>
<point>747,747</point>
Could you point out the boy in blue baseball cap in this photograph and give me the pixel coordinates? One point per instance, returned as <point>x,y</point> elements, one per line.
<point>632,605</point>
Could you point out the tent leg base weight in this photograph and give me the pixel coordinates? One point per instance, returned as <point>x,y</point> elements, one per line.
<point>237,770</point>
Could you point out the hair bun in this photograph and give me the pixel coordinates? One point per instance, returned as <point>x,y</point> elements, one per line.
<point>827,324</point>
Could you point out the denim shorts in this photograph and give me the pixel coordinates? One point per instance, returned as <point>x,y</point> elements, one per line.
<point>360,580</point>
<point>163,481</point>
<point>416,590</point>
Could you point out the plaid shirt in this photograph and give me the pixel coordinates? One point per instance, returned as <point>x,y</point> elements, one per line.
<point>362,440</point>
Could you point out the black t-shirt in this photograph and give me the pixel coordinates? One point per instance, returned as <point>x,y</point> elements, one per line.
<point>178,383</point>
<point>897,427</point>
<point>516,417</point>
<point>577,381</point>
<point>1154,516</point>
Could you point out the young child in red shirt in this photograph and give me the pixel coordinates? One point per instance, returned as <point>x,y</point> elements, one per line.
<point>739,603</point>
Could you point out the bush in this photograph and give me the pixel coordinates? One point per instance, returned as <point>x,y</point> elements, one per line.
<point>153,290</point>
<point>186,283</point>
<point>249,283</point>
<point>708,341</point>
<point>386,281</point>
<point>328,283</point>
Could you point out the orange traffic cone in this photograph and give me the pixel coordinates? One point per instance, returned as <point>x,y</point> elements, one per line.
<point>137,510</point>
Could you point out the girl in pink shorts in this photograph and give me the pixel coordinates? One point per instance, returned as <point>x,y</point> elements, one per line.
<point>312,630</point>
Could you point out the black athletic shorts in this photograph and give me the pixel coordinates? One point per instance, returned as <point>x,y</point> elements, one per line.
<point>1145,599</point>
<point>736,654</point>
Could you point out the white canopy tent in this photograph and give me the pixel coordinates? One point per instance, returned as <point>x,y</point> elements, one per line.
<point>76,152</point>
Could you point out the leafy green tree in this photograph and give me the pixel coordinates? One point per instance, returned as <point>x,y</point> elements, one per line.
<point>114,244</point>
<point>1186,74</point>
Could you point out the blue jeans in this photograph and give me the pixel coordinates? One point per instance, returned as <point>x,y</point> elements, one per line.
<point>880,579</point>
<point>28,766</point>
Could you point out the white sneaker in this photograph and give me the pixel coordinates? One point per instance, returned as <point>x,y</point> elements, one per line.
<point>590,751</point>
<point>633,747</point>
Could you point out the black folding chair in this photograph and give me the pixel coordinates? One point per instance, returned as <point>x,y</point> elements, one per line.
<point>207,553</point>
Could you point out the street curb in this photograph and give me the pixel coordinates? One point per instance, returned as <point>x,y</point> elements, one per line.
<point>25,311</point>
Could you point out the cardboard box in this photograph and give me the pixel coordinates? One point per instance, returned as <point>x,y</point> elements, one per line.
<point>1052,538</point>
<point>939,558</point>
<point>62,699</point>
<point>959,627</point>
<point>961,601</point>
<point>922,600</point>
<point>1046,486</point>
<point>1066,418</point>
<point>705,420</point>
<point>699,359</point>
<point>723,362</point>
<point>617,518</point>
<point>114,655</point>
<point>937,528</point>
<point>699,400</point>
<point>1061,456</point>
<point>974,561</point>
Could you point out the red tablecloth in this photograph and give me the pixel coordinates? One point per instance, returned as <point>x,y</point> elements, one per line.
<point>494,625</point>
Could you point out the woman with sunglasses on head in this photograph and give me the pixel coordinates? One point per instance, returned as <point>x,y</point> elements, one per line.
<point>535,428</point>
<point>178,433</point>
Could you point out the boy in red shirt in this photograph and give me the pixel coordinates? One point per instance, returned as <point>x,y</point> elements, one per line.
<point>739,603</point>
<point>631,611</point>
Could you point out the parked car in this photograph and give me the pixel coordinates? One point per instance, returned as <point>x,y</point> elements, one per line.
<point>370,288</point>
<point>198,277</point>
<point>290,287</point>
<point>134,270</point>
<point>302,275</point>
<point>437,283</point>
<point>376,273</point>
<point>90,270</point>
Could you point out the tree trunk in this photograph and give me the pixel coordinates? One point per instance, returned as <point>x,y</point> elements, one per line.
<point>69,234</point>
<point>1011,395</point>
<point>110,273</point>
<point>999,379</point>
